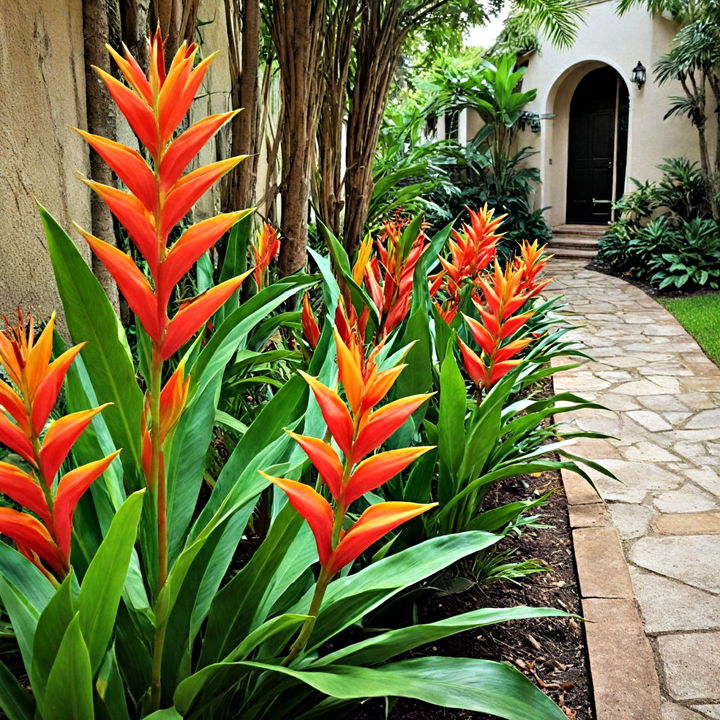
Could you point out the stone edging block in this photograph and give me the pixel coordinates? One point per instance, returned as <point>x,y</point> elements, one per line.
<point>622,666</point>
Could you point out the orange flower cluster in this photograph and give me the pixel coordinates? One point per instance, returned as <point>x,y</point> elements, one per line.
<point>351,326</point>
<point>472,250</point>
<point>264,250</point>
<point>172,401</point>
<point>389,276</point>
<point>160,195</point>
<point>358,429</point>
<point>504,293</point>
<point>25,406</point>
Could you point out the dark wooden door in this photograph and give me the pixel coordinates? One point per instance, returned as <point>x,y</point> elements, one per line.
<point>591,150</point>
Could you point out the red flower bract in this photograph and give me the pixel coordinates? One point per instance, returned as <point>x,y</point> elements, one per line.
<point>160,195</point>
<point>25,407</point>
<point>358,428</point>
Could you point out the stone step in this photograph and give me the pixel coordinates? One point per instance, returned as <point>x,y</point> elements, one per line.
<point>587,230</point>
<point>571,253</point>
<point>578,242</point>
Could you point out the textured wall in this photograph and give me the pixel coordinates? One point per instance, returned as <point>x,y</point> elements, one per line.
<point>42,86</point>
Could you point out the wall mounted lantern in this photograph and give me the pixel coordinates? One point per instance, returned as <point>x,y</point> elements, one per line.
<point>638,75</point>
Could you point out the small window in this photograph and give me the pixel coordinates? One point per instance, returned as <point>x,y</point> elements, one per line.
<point>452,124</point>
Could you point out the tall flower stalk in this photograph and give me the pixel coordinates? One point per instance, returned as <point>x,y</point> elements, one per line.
<point>358,429</point>
<point>159,196</point>
<point>25,406</point>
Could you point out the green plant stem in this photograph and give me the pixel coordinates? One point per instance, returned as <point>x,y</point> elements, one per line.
<point>302,639</point>
<point>158,488</point>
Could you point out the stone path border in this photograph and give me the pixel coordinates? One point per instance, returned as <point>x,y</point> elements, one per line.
<point>648,549</point>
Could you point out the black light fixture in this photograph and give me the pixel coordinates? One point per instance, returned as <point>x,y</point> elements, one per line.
<point>638,75</point>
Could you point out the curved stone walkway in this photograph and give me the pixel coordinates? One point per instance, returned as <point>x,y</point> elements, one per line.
<point>663,400</point>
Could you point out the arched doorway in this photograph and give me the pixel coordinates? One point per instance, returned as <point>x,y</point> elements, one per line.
<point>597,146</point>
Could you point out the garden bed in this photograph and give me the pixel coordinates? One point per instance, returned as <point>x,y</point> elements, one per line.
<point>549,651</point>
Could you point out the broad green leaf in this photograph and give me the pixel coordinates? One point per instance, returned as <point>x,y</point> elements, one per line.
<point>91,318</point>
<point>103,582</point>
<point>451,425</point>
<point>242,605</point>
<point>69,694</point>
<point>216,679</point>
<point>349,598</point>
<point>23,617</point>
<point>15,701</point>
<point>387,645</point>
<point>51,627</point>
<point>462,683</point>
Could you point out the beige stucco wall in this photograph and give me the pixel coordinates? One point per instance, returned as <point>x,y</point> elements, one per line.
<point>620,42</point>
<point>42,87</point>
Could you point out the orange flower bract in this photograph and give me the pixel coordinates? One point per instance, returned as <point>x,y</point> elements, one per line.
<point>160,195</point>
<point>358,428</point>
<point>25,407</point>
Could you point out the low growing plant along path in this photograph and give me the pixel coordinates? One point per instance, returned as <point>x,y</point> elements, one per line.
<point>663,400</point>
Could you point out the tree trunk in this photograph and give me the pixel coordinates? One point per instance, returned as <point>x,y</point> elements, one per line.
<point>377,50</point>
<point>337,57</point>
<point>297,28</point>
<point>243,31</point>
<point>100,121</point>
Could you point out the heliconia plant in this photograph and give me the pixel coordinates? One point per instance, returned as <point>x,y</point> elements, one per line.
<point>502,297</point>
<point>473,249</point>
<point>43,536</point>
<point>358,429</point>
<point>389,275</point>
<point>264,250</point>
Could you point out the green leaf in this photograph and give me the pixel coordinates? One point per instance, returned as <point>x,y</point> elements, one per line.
<point>51,628</point>
<point>15,701</point>
<point>350,597</point>
<point>91,318</point>
<point>165,714</point>
<point>462,683</point>
<point>451,424</point>
<point>243,604</point>
<point>389,644</point>
<point>69,694</point>
<point>103,582</point>
<point>214,680</point>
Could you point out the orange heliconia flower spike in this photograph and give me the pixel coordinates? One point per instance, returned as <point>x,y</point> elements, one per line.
<point>172,402</point>
<point>264,249</point>
<point>389,276</point>
<point>504,293</point>
<point>25,407</point>
<point>159,194</point>
<point>472,249</point>
<point>310,328</point>
<point>358,429</point>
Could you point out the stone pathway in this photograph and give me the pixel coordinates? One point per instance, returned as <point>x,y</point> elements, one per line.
<point>663,400</point>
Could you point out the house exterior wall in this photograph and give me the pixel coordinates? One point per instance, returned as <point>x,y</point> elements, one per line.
<point>42,86</point>
<point>605,39</point>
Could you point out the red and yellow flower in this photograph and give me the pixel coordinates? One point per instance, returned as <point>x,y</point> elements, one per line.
<point>472,250</point>
<point>389,275</point>
<point>264,249</point>
<point>159,195</point>
<point>503,296</point>
<point>358,427</point>
<point>25,406</point>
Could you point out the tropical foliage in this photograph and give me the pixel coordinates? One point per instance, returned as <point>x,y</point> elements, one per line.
<point>663,236</point>
<point>215,566</point>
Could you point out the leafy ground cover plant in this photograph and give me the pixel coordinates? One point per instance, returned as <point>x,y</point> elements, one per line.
<point>664,236</point>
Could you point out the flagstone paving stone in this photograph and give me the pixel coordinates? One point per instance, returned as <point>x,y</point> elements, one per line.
<point>662,400</point>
